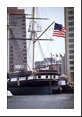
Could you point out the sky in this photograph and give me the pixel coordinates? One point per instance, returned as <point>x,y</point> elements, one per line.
<point>46,48</point>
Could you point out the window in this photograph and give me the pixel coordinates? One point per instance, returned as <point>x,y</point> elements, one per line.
<point>24,32</point>
<point>11,58</point>
<point>24,35</point>
<point>71,29</point>
<point>11,66</point>
<point>71,18</point>
<point>11,50</point>
<point>70,7</point>
<point>13,23</point>
<point>71,23</point>
<point>71,62</point>
<point>23,27</point>
<point>71,68</point>
<point>17,17</point>
<point>23,20</point>
<point>24,50</point>
<point>24,54</point>
<point>71,40</point>
<point>25,58</point>
<point>71,12</point>
<point>24,43</point>
<point>71,51</point>
<point>25,46</point>
<point>23,17</point>
<point>24,61</point>
<point>11,54</point>
<point>71,34</point>
<point>11,61</point>
<point>71,57</point>
<point>11,47</point>
<point>71,46</point>
<point>23,24</point>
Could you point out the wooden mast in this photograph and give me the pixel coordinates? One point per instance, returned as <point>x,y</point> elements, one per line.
<point>33,39</point>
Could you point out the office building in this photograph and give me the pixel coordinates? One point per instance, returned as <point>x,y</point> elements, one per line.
<point>69,42</point>
<point>63,64</point>
<point>17,49</point>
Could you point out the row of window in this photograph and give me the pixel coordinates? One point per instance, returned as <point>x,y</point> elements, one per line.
<point>24,61</point>
<point>24,54</point>
<point>11,47</point>
<point>24,50</point>
<point>23,24</point>
<point>15,23</point>
<point>24,42</point>
<point>23,27</point>
<point>70,7</point>
<point>18,34</point>
<point>24,35</point>
<point>11,58</point>
<point>17,17</point>
<point>18,23</point>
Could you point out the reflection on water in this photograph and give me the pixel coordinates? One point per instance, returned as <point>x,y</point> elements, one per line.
<point>57,101</point>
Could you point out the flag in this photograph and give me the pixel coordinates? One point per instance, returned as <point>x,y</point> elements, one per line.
<point>59,30</point>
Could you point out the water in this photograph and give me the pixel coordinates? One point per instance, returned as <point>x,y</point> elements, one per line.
<point>57,101</point>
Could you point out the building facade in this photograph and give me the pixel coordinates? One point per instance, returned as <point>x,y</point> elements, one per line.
<point>69,42</point>
<point>63,64</point>
<point>49,63</point>
<point>17,49</point>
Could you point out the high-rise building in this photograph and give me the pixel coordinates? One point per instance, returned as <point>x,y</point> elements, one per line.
<point>17,49</point>
<point>69,42</point>
<point>63,64</point>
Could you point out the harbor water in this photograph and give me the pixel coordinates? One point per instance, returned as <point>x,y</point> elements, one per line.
<point>55,101</point>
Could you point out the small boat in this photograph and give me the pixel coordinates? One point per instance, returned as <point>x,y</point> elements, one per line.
<point>9,94</point>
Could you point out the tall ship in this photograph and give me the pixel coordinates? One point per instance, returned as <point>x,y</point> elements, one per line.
<point>40,78</point>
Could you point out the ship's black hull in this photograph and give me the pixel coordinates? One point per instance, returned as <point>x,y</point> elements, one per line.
<point>30,90</point>
<point>37,87</point>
